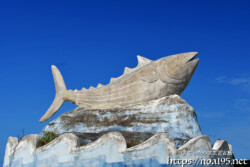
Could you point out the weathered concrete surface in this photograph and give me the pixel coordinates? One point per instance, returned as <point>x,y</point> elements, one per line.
<point>131,137</point>
<point>222,145</point>
<point>150,80</point>
<point>10,148</point>
<point>108,150</point>
<point>169,114</point>
<point>22,151</point>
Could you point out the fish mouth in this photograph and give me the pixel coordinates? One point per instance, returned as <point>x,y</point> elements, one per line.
<point>191,57</point>
<point>192,63</point>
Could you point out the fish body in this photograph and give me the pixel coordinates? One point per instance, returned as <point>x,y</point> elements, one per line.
<point>150,80</point>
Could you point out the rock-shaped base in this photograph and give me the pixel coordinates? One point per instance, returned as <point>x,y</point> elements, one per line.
<point>169,114</point>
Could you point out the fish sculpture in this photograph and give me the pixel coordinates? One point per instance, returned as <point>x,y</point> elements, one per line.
<point>149,80</point>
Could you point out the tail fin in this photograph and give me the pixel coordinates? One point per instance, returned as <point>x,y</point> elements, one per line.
<point>58,101</point>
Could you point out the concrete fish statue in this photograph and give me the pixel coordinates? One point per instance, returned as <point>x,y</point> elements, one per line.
<point>149,80</point>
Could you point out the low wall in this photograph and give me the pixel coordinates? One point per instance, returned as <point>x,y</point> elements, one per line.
<point>108,150</point>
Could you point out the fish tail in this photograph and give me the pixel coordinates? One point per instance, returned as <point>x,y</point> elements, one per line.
<point>60,89</point>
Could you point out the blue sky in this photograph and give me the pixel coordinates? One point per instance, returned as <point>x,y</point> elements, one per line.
<point>92,41</point>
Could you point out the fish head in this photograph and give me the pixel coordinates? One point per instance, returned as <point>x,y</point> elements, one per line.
<point>177,69</point>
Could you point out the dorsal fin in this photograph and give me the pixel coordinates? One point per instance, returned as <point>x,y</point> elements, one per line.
<point>141,62</point>
<point>91,87</point>
<point>112,79</point>
<point>99,85</point>
<point>127,71</point>
<point>83,89</point>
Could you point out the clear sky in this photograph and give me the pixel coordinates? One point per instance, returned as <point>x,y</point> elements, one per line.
<point>92,41</point>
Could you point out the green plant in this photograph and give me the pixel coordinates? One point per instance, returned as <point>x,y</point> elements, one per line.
<point>83,144</point>
<point>131,143</point>
<point>47,137</point>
